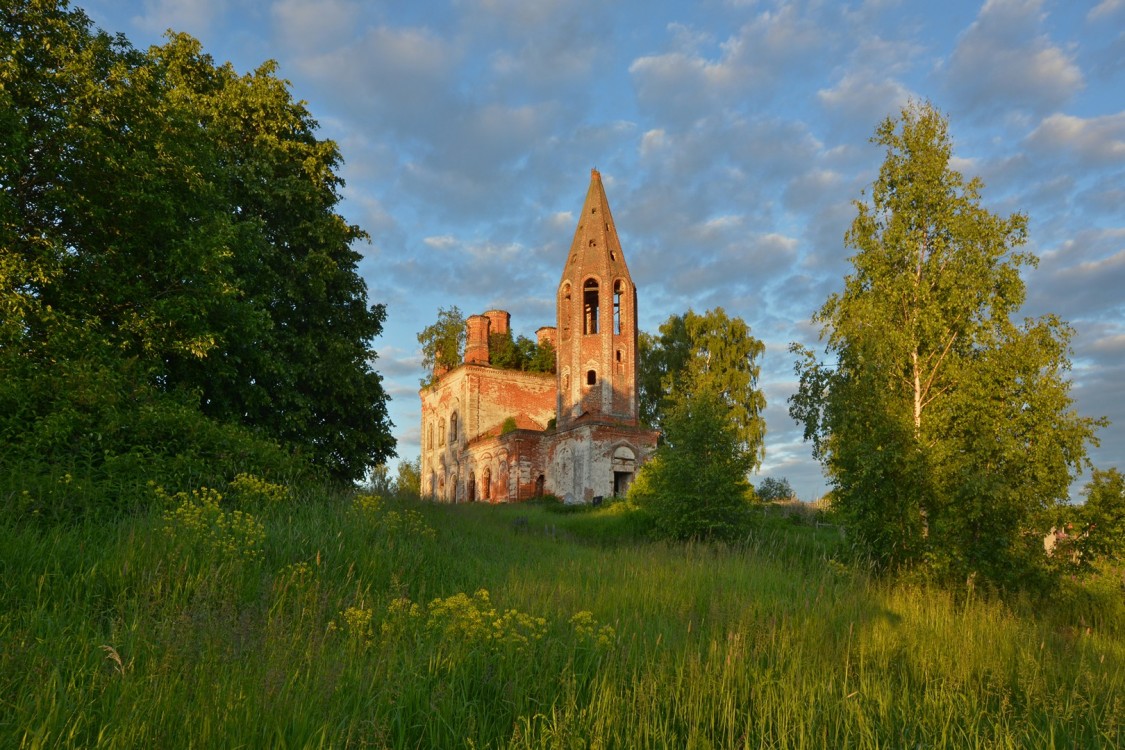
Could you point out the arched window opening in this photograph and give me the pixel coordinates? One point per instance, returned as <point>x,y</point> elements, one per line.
<point>619,358</point>
<point>590,307</point>
<point>618,290</point>
<point>486,485</point>
<point>453,428</point>
<point>472,487</point>
<point>591,377</point>
<point>441,431</point>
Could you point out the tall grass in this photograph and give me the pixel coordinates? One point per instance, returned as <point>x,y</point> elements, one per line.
<point>357,622</point>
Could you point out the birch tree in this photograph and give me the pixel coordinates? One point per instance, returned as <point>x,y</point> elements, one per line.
<point>946,427</point>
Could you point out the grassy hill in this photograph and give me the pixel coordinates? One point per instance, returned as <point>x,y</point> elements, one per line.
<point>358,622</point>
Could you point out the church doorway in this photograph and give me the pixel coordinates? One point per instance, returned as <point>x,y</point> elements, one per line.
<point>624,467</point>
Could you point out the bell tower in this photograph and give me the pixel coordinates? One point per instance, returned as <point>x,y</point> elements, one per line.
<point>596,307</point>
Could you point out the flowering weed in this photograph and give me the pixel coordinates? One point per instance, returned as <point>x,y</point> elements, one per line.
<point>198,523</point>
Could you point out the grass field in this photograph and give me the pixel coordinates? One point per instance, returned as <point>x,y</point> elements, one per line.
<point>356,622</point>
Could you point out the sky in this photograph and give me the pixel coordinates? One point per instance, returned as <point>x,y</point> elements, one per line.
<point>732,137</point>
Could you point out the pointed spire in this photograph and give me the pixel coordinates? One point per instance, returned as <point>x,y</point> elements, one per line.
<point>596,247</point>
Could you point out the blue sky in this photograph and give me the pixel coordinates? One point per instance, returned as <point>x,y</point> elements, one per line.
<point>732,136</point>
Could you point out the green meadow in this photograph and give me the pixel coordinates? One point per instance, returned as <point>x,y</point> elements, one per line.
<point>352,621</point>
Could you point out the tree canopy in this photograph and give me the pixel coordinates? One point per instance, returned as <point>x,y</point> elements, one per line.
<point>946,428</point>
<point>695,486</point>
<point>169,234</point>
<point>696,352</point>
<point>1101,526</point>
<point>443,343</point>
<point>772,489</point>
<point>520,353</point>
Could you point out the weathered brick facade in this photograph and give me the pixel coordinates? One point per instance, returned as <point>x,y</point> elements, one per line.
<point>497,435</point>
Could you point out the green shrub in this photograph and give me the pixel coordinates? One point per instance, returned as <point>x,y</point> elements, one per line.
<point>695,486</point>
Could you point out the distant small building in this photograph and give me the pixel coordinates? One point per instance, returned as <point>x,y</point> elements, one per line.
<point>497,435</point>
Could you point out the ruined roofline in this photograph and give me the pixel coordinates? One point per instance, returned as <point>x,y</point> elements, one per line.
<point>483,368</point>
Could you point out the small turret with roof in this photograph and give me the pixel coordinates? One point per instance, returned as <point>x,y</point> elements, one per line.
<point>596,340</point>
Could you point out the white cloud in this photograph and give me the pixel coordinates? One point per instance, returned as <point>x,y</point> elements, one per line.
<point>1105,9</point>
<point>193,16</point>
<point>442,242</point>
<point>310,24</point>
<point>1004,60</point>
<point>653,142</point>
<point>521,14</point>
<point>684,82</point>
<point>864,98</point>
<point>1095,141</point>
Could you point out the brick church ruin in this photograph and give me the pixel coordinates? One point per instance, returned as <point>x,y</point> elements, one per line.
<point>498,435</point>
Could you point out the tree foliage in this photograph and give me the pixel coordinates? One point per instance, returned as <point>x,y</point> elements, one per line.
<point>771,489</point>
<point>520,353</point>
<point>695,485</point>
<point>947,430</point>
<point>1101,526</point>
<point>704,352</point>
<point>443,348</point>
<point>408,482</point>
<point>169,225</point>
<point>443,343</point>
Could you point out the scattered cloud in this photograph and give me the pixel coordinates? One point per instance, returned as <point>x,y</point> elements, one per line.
<point>1005,60</point>
<point>196,17</point>
<point>1094,141</point>
<point>1105,10</point>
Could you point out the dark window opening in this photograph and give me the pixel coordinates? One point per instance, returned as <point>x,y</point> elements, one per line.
<point>593,243</point>
<point>441,432</point>
<point>591,377</point>
<point>566,312</point>
<point>618,290</point>
<point>590,307</point>
<point>486,485</point>
<point>540,481</point>
<point>472,487</point>
<point>453,428</point>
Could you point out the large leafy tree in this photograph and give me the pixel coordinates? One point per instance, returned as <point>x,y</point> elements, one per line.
<point>712,352</point>
<point>947,429</point>
<point>169,232</point>
<point>300,366</point>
